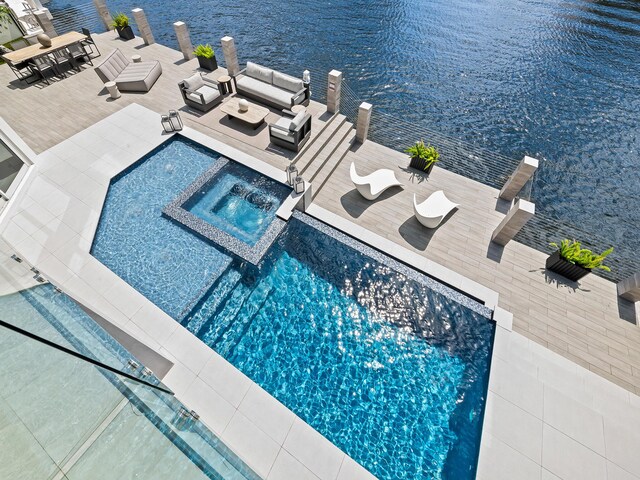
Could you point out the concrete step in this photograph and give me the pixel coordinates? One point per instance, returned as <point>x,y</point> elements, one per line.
<point>326,155</point>
<point>338,156</point>
<point>307,157</point>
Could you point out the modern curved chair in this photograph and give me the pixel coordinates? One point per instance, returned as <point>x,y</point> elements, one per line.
<point>371,186</point>
<point>433,210</point>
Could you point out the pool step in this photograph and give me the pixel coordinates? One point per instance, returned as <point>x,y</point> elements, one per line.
<point>214,297</point>
<point>220,322</point>
<point>244,318</point>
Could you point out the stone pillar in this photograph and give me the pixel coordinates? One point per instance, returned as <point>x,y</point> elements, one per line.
<point>104,14</point>
<point>519,178</point>
<point>45,22</point>
<point>143,26</point>
<point>230,55</point>
<point>518,215</point>
<point>629,288</point>
<point>334,89</point>
<point>184,41</point>
<point>364,119</point>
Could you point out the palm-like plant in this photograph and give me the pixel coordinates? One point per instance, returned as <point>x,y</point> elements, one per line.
<point>120,20</point>
<point>205,51</point>
<point>5,16</point>
<point>572,252</point>
<point>427,153</point>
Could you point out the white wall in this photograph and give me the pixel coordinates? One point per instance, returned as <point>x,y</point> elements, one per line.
<point>9,32</point>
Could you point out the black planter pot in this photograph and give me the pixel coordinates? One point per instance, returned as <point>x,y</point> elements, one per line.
<point>419,164</point>
<point>208,63</point>
<point>555,263</point>
<point>126,33</point>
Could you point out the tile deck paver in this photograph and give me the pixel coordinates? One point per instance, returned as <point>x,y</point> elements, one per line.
<point>536,303</point>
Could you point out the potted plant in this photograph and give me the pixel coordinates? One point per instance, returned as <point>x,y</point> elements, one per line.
<point>423,157</point>
<point>206,57</point>
<point>121,24</point>
<point>573,262</point>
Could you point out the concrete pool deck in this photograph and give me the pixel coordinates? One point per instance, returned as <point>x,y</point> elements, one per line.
<point>539,403</point>
<point>546,416</point>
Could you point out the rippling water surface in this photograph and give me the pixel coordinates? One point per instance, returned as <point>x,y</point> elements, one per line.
<point>555,79</point>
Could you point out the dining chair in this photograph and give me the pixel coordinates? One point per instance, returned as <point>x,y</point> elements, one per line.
<point>61,58</point>
<point>78,54</point>
<point>43,65</point>
<point>22,70</point>
<point>89,42</point>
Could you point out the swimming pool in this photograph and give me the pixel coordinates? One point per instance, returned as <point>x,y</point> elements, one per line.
<point>389,365</point>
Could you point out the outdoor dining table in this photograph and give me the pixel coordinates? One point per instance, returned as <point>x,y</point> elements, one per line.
<point>37,50</point>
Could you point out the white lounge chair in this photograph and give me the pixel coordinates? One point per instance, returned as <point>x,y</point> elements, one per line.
<point>371,186</point>
<point>433,210</point>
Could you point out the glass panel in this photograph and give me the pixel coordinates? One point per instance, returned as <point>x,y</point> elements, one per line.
<point>50,403</point>
<point>52,315</point>
<point>132,447</point>
<point>10,165</point>
<point>196,440</point>
<point>62,417</point>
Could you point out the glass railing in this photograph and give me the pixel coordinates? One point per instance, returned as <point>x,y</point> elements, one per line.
<point>75,404</point>
<point>76,17</point>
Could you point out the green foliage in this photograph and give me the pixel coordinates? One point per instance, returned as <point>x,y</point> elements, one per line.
<point>120,20</point>
<point>5,16</point>
<point>427,153</point>
<point>205,51</point>
<point>572,252</point>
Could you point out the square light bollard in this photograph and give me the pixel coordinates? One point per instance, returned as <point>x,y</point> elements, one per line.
<point>629,288</point>
<point>521,175</point>
<point>516,217</point>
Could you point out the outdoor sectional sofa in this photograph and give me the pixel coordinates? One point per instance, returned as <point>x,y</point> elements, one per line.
<point>129,76</point>
<point>270,87</point>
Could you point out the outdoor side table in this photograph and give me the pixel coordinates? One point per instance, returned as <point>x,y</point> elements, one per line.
<point>113,89</point>
<point>136,58</point>
<point>225,84</point>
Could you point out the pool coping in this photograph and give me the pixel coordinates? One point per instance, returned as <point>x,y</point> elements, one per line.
<point>258,428</point>
<point>252,253</point>
<point>408,271</point>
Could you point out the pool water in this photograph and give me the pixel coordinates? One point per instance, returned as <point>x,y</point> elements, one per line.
<point>388,365</point>
<point>166,263</point>
<point>388,370</point>
<point>239,202</point>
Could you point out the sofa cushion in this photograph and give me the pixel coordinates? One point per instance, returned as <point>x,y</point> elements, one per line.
<point>209,93</point>
<point>298,120</point>
<point>287,82</point>
<point>282,134</point>
<point>284,122</point>
<point>259,72</point>
<point>263,91</point>
<point>194,82</point>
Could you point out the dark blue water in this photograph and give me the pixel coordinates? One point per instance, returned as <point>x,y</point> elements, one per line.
<point>554,79</point>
